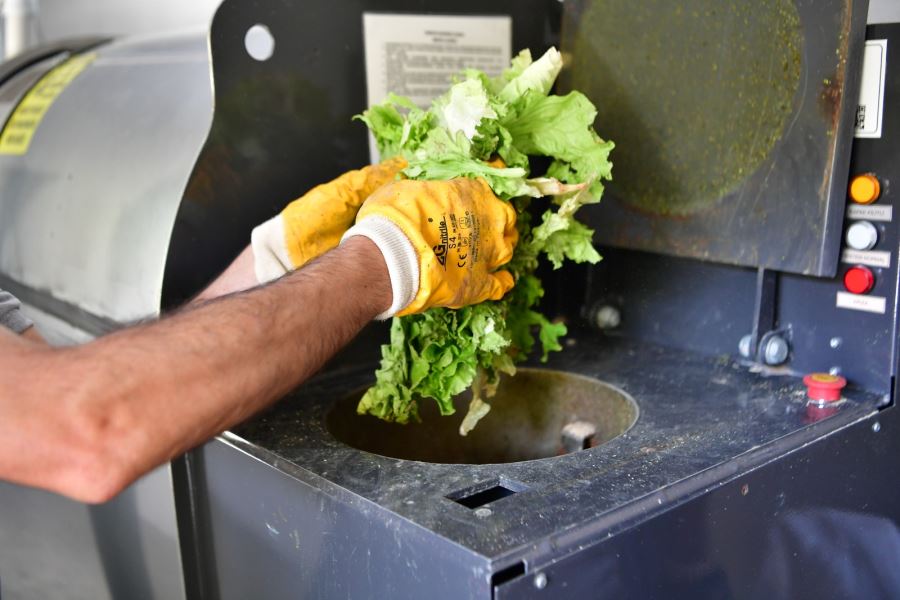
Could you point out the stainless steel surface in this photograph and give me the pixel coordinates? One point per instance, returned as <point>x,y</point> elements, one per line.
<point>56,331</point>
<point>64,18</point>
<point>85,220</point>
<point>86,214</point>
<point>51,547</point>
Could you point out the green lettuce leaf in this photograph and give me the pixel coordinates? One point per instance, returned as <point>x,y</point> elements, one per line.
<point>536,78</point>
<point>440,353</point>
<point>561,127</point>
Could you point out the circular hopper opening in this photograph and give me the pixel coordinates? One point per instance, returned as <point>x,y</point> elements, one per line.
<point>536,414</point>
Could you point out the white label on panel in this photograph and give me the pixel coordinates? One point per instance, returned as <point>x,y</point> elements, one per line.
<point>870,111</point>
<point>872,304</point>
<point>870,258</point>
<point>417,55</point>
<point>870,213</point>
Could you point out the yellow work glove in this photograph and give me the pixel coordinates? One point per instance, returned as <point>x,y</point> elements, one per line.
<point>442,242</point>
<point>313,224</point>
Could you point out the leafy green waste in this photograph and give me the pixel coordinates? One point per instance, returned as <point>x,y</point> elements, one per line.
<point>442,352</point>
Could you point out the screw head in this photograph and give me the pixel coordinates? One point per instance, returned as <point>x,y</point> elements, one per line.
<point>876,427</point>
<point>835,342</point>
<point>777,350</point>
<point>834,371</point>
<point>608,317</point>
<point>482,513</point>
<point>540,581</point>
<point>744,346</point>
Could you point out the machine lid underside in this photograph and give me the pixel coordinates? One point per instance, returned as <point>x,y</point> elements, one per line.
<point>730,120</point>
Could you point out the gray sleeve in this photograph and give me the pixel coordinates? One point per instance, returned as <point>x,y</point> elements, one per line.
<point>10,315</point>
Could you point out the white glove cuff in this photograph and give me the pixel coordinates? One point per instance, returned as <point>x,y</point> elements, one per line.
<point>399,255</point>
<point>270,254</point>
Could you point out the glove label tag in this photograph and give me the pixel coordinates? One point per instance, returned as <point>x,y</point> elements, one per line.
<point>440,250</point>
<point>460,235</point>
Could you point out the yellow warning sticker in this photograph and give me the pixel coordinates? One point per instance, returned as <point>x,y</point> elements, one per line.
<point>20,127</point>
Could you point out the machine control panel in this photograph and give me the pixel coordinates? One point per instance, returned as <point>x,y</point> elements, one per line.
<point>865,256</point>
<point>845,325</point>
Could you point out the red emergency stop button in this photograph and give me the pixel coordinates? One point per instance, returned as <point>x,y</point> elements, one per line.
<point>859,280</point>
<point>823,387</point>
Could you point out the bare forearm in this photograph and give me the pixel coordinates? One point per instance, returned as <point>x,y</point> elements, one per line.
<point>147,394</point>
<point>32,334</point>
<point>239,276</point>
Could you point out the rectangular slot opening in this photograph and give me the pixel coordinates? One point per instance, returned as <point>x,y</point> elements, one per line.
<point>508,574</point>
<point>485,493</point>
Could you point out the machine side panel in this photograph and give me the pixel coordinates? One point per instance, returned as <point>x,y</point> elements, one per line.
<point>732,123</point>
<point>271,532</point>
<point>821,522</point>
<point>87,211</point>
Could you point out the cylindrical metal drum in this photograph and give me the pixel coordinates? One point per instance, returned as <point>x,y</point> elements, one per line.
<point>97,149</point>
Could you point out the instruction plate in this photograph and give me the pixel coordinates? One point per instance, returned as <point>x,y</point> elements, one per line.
<point>870,258</point>
<point>417,55</point>
<point>872,304</point>
<point>870,213</point>
<point>870,111</point>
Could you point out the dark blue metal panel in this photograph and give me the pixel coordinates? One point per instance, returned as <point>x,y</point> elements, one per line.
<point>820,522</point>
<point>727,486</point>
<point>277,536</point>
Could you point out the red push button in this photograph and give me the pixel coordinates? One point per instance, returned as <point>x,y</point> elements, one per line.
<point>823,387</point>
<point>859,280</point>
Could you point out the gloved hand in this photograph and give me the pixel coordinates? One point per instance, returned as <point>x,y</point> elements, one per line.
<point>441,240</point>
<point>313,224</point>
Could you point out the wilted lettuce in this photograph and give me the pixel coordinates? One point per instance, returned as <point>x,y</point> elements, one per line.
<point>443,352</point>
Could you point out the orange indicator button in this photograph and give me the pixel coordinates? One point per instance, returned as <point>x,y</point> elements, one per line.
<point>865,189</point>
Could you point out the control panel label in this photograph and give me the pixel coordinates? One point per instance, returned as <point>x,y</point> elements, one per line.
<point>418,55</point>
<point>870,110</point>
<point>872,304</point>
<point>870,258</point>
<point>867,212</point>
<point>24,121</point>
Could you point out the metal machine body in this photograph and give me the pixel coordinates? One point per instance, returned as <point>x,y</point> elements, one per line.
<point>85,219</point>
<point>727,484</point>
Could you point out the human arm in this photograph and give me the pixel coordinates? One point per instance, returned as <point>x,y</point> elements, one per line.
<point>237,277</point>
<point>86,421</point>
<point>307,228</point>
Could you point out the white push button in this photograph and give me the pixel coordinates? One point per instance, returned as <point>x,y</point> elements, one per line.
<point>862,235</point>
